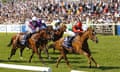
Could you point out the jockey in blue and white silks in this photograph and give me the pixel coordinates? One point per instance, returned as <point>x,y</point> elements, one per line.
<point>32,27</point>
<point>56,24</point>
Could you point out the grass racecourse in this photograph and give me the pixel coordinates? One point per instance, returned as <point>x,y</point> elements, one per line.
<point>106,53</point>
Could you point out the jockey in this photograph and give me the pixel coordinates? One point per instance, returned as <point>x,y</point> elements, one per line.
<point>77,29</point>
<point>43,25</point>
<point>32,27</point>
<point>57,24</point>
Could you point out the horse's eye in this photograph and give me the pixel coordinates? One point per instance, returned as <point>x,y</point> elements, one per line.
<point>94,33</point>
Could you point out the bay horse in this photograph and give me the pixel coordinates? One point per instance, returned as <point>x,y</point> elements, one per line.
<point>33,43</point>
<point>79,45</point>
<point>57,34</point>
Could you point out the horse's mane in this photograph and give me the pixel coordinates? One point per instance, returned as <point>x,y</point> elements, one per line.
<point>60,32</point>
<point>84,34</point>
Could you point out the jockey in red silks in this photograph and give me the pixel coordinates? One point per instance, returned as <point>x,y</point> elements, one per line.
<point>77,28</point>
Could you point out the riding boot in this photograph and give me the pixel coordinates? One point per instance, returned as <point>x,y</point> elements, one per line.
<point>70,50</point>
<point>23,41</point>
<point>28,36</point>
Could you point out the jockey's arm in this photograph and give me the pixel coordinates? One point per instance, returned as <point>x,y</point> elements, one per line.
<point>77,30</point>
<point>74,29</point>
<point>31,26</point>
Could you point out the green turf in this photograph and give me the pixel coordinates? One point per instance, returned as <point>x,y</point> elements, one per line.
<point>106,53</point>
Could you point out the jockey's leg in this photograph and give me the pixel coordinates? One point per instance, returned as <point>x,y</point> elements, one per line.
<point>25,38</point>
<point>68,43</point>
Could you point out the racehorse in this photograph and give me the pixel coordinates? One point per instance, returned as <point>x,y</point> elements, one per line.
<point>57,34</point>
<point>34,42</point>
<point>79,45</point>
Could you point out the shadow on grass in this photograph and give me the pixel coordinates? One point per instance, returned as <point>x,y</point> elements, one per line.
<point>100,68</point>
<point>16,61</point>
<point>109,67</point>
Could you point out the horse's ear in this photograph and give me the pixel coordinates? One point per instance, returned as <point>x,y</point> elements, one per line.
<point>63,25</point>
<point>89,28</point>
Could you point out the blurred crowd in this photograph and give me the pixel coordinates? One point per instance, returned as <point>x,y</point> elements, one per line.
<point>16,12</point>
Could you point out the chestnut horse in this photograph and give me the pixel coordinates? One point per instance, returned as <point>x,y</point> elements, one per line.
<point>79,46</point>
<point>34,42</point>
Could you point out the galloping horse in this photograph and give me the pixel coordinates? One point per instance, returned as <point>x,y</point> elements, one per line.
<point>33,43</point>
<point>57,34</point>
<point>79,46</point>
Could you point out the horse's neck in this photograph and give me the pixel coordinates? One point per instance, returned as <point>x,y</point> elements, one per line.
<point>58,35</point>
<point>84,36</point>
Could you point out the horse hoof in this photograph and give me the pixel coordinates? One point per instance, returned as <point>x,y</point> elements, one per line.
<point>29,61</point>
<point>90,67</point>
<point>98,66</point>
<point>9,59</point>
<point>49,58</point>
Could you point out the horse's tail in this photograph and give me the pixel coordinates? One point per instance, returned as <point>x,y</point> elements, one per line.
<point>10,43</point>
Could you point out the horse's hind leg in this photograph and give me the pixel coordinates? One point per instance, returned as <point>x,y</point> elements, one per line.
<point>66,60</point>
<point>58,60</point>
<point>13,51</point>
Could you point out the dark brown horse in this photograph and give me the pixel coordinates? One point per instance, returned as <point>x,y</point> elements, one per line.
<point>57,34</point>
<point>34,42</point>
<point>79,45</point>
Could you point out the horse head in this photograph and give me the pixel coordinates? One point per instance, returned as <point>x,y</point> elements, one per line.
<point>46,34</point>
<point>63,27</point>
<point>92,35</point>
<point>59,33</point>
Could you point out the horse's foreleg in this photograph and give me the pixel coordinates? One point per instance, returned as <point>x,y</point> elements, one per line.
<point>31,56</point>
<point>21,52</point>
<point>53,50</point>
<point>40,57</point>
<point>88,56</point>
<point>97,65</point>
<point>46,51</point>
<point>13,51</point>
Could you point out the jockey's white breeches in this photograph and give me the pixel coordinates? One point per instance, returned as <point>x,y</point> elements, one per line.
<point>69,33</point>
<point>30,30</point>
